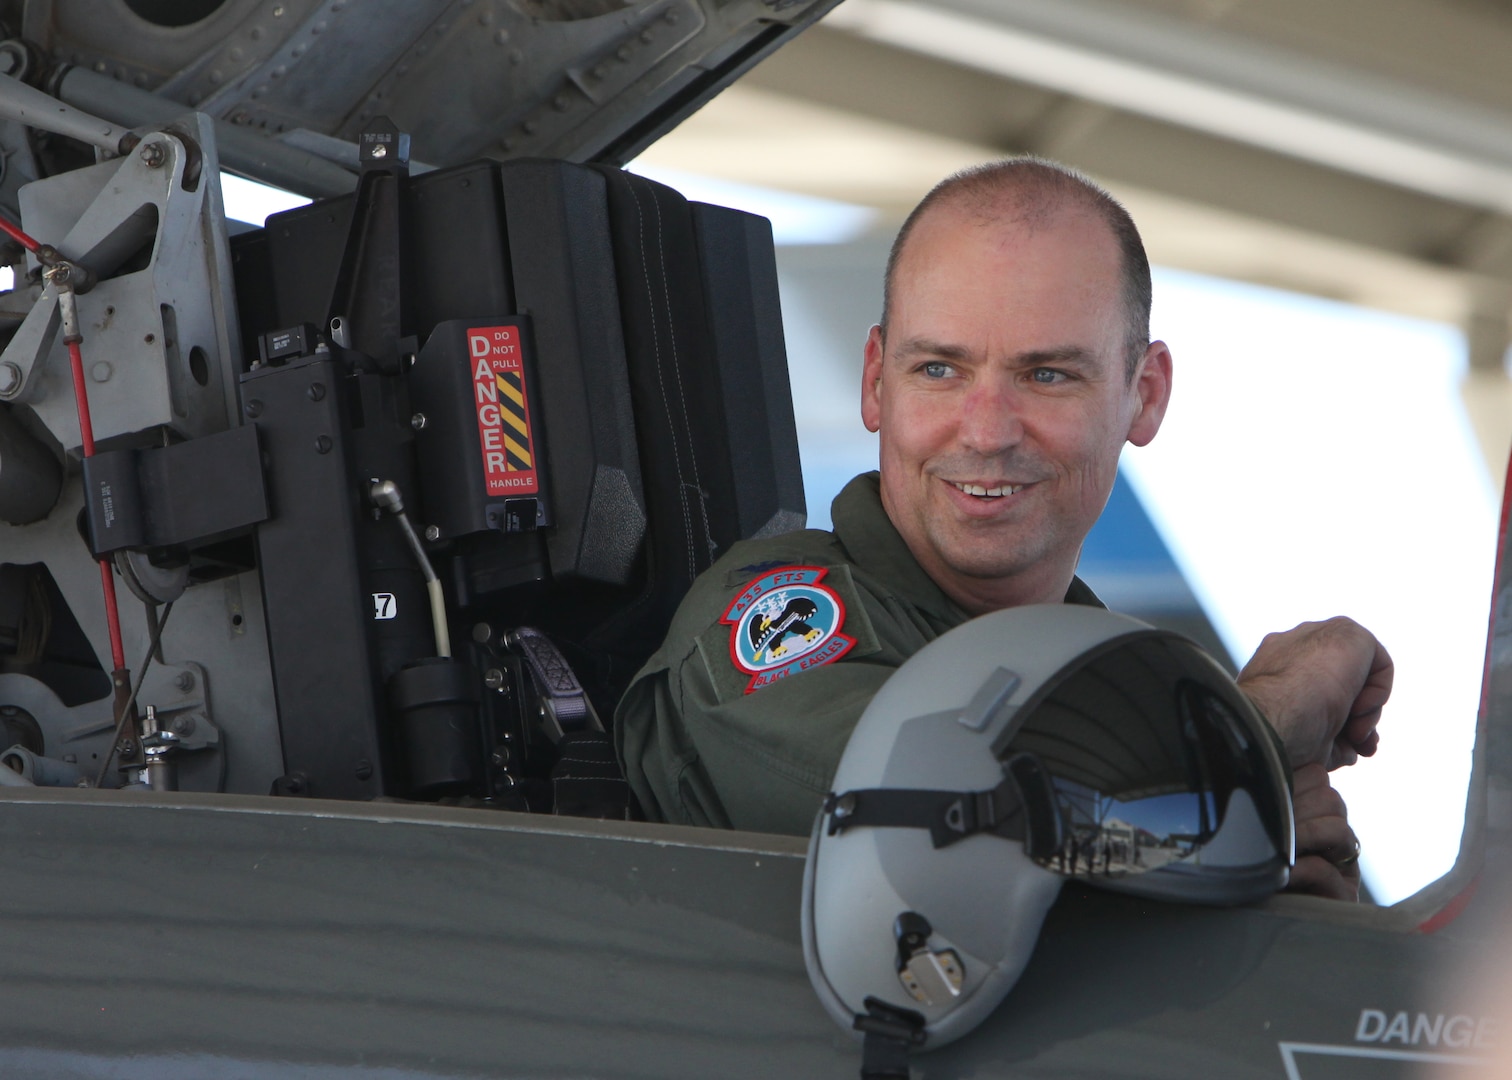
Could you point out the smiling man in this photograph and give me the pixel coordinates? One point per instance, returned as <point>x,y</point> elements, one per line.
<point>1012,364</point>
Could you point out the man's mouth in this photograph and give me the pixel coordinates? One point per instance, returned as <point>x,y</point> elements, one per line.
<point>989,492</point>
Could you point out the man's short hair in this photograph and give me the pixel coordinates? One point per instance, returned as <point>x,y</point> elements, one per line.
<point>1031,190</point>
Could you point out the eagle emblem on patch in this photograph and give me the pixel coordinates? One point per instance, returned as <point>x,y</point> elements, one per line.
<point>785,622</point>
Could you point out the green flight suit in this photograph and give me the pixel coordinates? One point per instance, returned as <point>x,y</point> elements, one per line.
<point>700,747</point>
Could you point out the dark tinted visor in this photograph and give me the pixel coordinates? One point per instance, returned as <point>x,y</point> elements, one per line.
<point>1143,756</point>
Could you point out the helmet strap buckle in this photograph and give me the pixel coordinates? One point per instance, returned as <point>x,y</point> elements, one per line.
<point>890,1033</point>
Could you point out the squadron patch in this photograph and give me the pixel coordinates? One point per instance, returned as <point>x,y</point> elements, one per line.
<point>785,622</point>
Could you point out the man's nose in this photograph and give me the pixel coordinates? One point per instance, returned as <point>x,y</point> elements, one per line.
<point>991,416</point>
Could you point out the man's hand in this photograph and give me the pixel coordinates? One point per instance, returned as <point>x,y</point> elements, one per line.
<point>1321,686</point>
<point>1328,852</point>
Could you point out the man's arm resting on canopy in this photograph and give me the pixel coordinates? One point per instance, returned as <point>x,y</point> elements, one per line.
<point>1322,686</point>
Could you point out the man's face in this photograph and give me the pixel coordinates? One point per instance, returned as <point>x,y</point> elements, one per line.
<point>1002,402</point>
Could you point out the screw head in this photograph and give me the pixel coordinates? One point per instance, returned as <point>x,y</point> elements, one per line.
<point>493,678</point>
<point>316,392</point>
<point>10,379</point>
<point>323,444</point>
<point>185,681</point>
<point>153,155</point>
<point>433,532</point>
<point>380,151</point>
<point>253,409</point>
<point>418,421</point>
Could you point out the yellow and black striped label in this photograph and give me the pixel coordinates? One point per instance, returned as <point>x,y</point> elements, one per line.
<point>503,404</point>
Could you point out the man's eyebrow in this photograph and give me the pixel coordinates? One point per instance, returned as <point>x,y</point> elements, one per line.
<point>928,347</point>
<point>1064,354</point>
<point>1061,354</point>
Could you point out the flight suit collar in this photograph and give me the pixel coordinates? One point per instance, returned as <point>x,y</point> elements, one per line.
<point>868,535</point>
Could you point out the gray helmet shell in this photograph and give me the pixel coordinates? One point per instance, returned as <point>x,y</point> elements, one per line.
<point>934,726</point>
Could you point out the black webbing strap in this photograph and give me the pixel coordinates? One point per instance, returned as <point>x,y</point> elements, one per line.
<point>890,1033</point>
<point>948,815</point>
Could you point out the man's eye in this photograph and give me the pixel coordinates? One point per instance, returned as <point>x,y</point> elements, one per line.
<point>936,369</point>
<point>1048,375</point>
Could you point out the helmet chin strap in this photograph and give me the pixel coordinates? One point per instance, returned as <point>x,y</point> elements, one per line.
<point>891,1032</point>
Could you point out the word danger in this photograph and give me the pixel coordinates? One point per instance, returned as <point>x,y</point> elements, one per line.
<point>1426,1029</point>
<point>498,372</point>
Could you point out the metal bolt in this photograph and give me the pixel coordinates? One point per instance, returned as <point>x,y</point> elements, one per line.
<point>323,444</point>
<point>481,632</point>
<point>433,532</point>
<point>316,392</point>
<point>253,409</point>
<point>185,682</point>
<point>380,151</point>
<point>182,726</point>
<point>100,372</point>
<point>418,421</point>
<point>153,155</point>
<point>493,678</point>
<point>501,756</point>
<point>845,806</point>
<point>10,379</point>
<point>127,748</point>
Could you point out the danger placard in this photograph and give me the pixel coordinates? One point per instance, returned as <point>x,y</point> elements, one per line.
<point>501,397</point>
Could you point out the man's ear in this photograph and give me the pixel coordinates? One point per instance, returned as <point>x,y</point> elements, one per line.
<point>871,380</point>
<point>1152,389</point>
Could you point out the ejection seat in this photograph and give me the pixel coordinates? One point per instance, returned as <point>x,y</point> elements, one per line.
<point>652,414</point>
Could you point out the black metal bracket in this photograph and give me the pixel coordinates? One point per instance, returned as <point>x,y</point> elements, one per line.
<point>194,492</point>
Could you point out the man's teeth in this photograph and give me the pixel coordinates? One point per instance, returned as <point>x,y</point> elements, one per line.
<point>992,493</point>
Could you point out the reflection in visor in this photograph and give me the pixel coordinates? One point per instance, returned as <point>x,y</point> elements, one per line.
<point>1148,764</point>
<point>1142,755</point>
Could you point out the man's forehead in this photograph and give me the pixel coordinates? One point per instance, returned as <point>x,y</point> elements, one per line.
<point>1052,279</point>
<point>1008,229</point>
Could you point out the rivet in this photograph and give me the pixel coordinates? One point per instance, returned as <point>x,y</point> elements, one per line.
<point>316,392</point>
<point>323,444</point>
<point>502,37</point>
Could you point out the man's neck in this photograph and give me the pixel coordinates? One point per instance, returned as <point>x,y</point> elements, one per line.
<point>978,596</point>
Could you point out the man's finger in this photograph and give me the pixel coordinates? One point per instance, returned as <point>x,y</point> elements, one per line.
<point>1316,876</point>
<point>1328,837</point>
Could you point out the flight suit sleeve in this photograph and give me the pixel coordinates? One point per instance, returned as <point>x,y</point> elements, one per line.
<point>707,740</point>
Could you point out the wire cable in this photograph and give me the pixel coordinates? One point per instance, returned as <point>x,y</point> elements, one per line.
<point>120,724</point>
<point>15,233</point>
